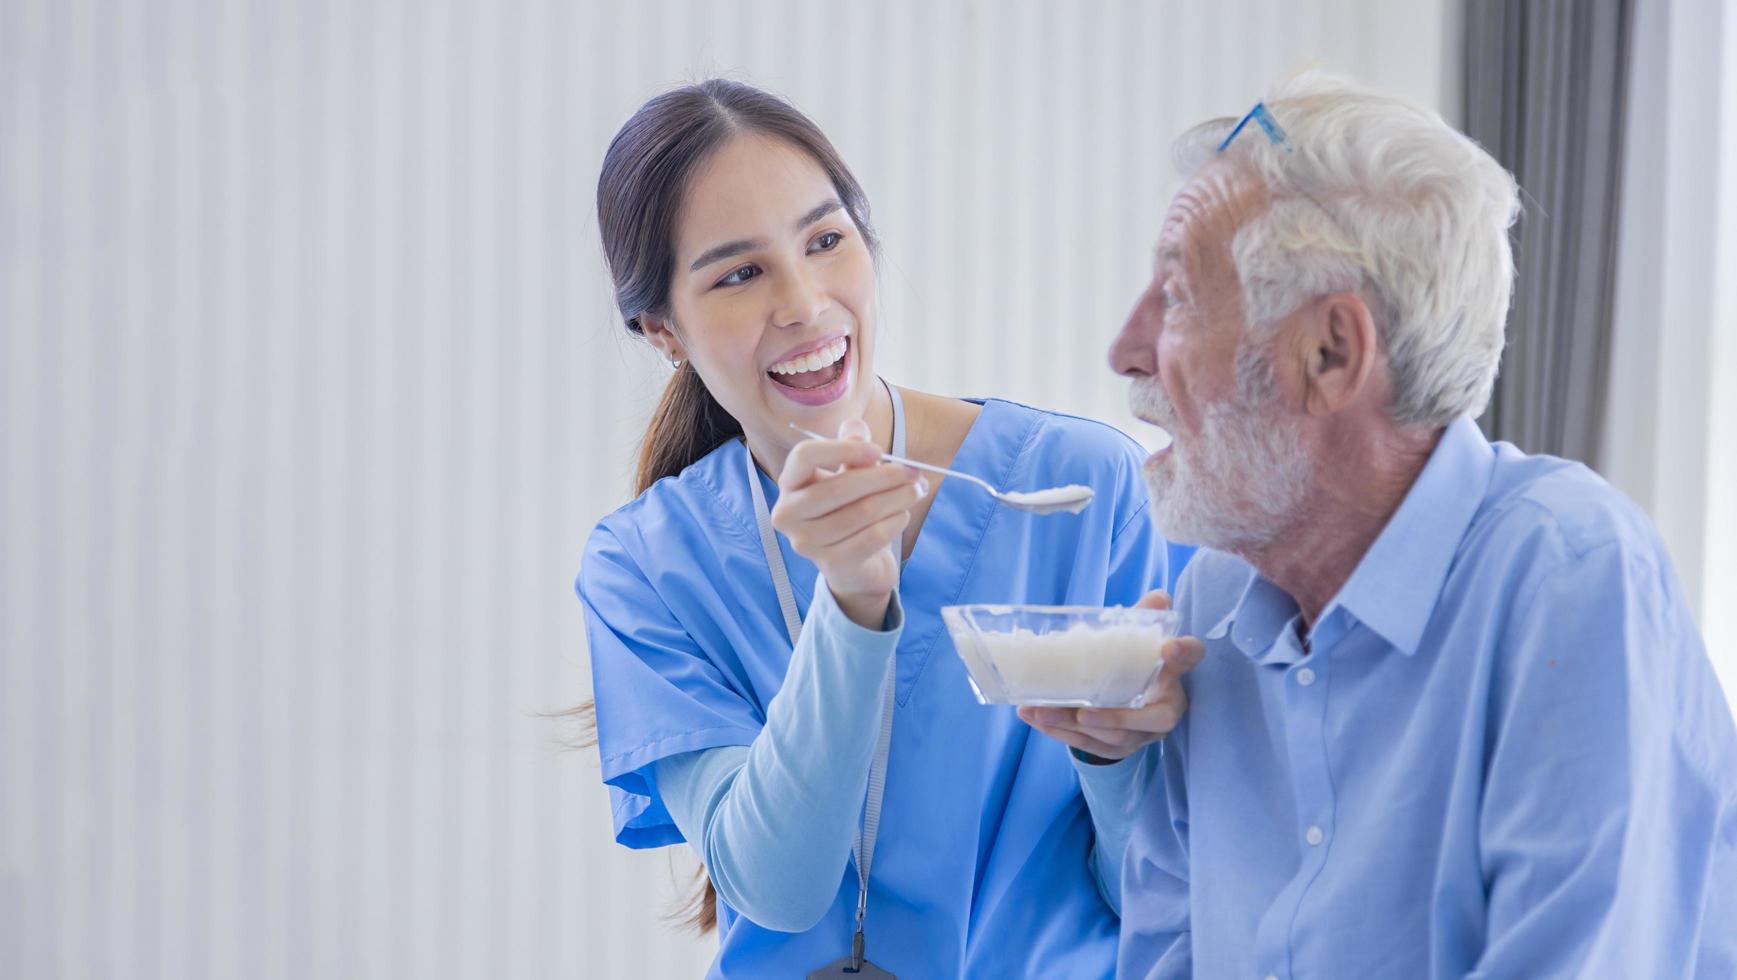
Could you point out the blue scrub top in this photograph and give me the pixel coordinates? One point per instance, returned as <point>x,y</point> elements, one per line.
<point>982,863</point>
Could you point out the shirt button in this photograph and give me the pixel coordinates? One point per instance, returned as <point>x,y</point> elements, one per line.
<point>1271,977</point>
<point>1314,836</point>
<point>1305,677</point>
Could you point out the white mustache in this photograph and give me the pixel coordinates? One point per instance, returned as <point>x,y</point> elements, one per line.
<point>1146,399</point>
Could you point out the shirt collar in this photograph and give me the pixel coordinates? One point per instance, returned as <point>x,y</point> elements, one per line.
<point>1394,588</point>
<point>1258,620</point>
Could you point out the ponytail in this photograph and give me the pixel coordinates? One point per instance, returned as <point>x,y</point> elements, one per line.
<point>688,424</point>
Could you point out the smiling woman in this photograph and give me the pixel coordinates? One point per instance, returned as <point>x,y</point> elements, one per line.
<point>725,717</point>
<point>674,133</point>
<point>782,280</point>
<point>636,215</point>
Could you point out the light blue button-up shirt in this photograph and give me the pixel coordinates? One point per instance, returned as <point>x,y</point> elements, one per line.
<point>1500,752</point>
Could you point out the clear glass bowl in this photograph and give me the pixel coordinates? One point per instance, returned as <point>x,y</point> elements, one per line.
<point>1069,656</point>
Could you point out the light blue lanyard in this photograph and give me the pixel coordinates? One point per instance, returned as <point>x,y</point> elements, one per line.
<point>864,850</point>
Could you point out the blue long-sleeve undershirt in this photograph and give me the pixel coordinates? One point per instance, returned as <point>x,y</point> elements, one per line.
<point>775,820</point>
<point>1112,792</point>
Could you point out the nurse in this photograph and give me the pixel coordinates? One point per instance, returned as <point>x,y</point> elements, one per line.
<point>773,682</point>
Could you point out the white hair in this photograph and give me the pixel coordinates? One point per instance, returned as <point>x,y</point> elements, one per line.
<point>1374,195</point>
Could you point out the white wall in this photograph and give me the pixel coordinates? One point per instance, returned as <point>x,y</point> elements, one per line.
<point>310,390</point>
<point>1671,423</point>
<point>1719,571</point>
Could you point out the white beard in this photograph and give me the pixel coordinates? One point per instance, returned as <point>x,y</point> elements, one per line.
<point>1237,484</point>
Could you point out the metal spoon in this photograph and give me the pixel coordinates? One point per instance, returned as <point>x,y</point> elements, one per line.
<point>1072,498</point>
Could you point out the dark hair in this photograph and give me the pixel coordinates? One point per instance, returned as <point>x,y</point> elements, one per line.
<point>639,198</point>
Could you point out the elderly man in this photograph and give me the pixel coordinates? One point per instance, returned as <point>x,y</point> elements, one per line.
<point>1454,716</point>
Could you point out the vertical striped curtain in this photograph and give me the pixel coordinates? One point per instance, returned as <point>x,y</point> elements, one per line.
<point>1545,91</point>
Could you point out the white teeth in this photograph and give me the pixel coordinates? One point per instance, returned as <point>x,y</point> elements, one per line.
<point>824,357</point>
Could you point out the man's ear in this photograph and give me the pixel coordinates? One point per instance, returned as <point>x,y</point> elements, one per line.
<point>660,333</point>
<point>1340,352</point>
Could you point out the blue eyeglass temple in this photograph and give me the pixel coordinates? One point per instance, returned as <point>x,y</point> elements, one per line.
<point>1267,123</point>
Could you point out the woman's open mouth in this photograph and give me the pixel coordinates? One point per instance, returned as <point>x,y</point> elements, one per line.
<point>817,378</point>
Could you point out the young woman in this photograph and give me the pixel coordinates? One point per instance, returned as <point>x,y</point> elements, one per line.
<point>773,682</point>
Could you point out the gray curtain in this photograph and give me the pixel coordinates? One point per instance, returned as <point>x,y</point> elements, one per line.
<point>1546,91</point>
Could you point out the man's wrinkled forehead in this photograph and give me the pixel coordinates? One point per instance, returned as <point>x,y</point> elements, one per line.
<point>1206,213</point>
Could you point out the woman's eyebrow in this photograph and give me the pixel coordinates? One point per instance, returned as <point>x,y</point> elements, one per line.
<point>729,250</point>
<point>817,212</point>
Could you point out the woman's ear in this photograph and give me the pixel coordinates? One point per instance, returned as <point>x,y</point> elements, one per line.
<point>660,333</point>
